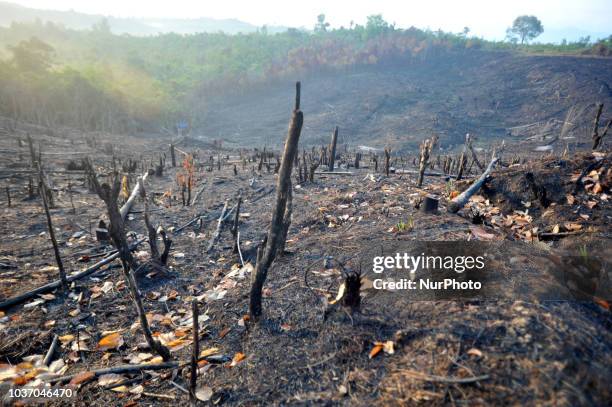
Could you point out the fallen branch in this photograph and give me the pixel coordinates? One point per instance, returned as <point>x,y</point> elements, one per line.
<point>459,202</point>
<point>413,374</point>
<point>135,192</point>
<point>140,368</point>
<point>191,222</point>
<point>217,233</point>
<point>56,284</point>
<point>49,355</point>
<point>266,193</point>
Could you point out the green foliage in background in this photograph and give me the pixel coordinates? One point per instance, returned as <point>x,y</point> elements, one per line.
<point>95,80</point>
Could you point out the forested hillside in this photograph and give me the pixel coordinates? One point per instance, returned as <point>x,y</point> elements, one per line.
<point>95,80</point>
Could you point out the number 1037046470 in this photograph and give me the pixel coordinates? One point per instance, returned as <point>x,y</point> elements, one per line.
<point>40,393</point>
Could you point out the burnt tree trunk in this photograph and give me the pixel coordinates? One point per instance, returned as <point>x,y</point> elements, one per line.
<point>425,150</point>
<point>173,155</point>
<point>332,149</point>
<point>387,159</point>
<point>595,132</point>
<point>268,249</point>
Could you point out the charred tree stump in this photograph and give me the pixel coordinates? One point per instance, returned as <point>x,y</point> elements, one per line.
<point>58,257</point>
<point>268,249</point>
<point>332,149</point>
<point>31,189</point>
<point>425,150</point>
<point>32,151</point>
<point>167,245</point>
<point>313,168</point>
<point>387,159</point>
<point>152,232</point>
<point>469,141</point>
<point>595,133</point>
<point>352,298</point>
<point>357,160</point>
<point>173,155</point>
<point>539,191</point>
<point>462,163</point>
<point>597,138</point>
<point>429,204</point>
<point>8,196</point>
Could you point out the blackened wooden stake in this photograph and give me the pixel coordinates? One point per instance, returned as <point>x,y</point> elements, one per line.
<point>194,354</point>
<point>154,344</point>
<point>332,149</point>
<point>58,258</point>
<point>387,160</point>
<point>236,225</point>
<point>172,155</point>
<point>32,151</point>
<point>595,132</point>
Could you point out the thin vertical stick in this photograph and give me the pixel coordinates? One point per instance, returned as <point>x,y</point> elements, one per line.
<point>332,149</point>
<point>194,355</point>
<point>154,344</point>
<point>8,196</point>
<point>236,225</point>
<point>58,258</point>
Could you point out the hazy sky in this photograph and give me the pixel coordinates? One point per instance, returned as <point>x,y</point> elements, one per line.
<point>488,18</point>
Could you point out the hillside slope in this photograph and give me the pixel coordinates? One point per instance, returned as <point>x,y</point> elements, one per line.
<point>483,93</point>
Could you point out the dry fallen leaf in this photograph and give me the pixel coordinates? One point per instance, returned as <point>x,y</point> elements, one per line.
<point>341,292</point>
<point>224,332</point>
<point>204,393</point>
<point>112,341</point>
<point>597,188</point>
<point>376,349</point>
<point>110,378</point>
<point>481,234</point>
<point>208,352</point>
<point>602,303</point>
<point>572,226</point>
<point>47,297</point>
<point>82,377</point>
<point>389,347</point>
<point>137,389</point>
<point>66,339</point>
<point>238,357</point>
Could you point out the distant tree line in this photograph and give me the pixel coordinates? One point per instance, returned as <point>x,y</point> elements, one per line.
<point>95,80</point>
